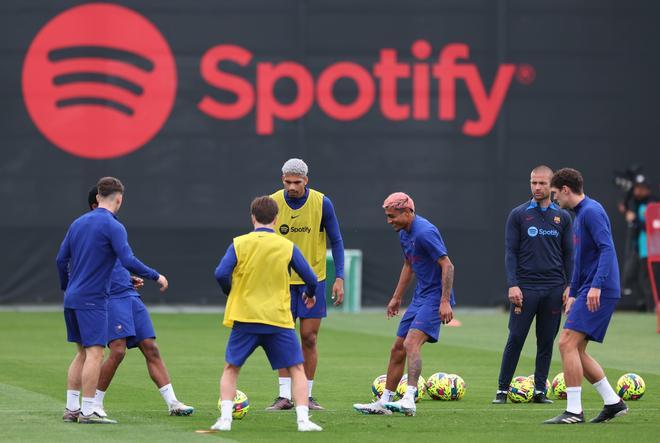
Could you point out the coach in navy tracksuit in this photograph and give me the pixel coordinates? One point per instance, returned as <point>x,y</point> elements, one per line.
<point>538,261</point>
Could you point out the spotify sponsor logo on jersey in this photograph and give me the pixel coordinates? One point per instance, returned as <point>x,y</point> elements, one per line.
<point>285,229</point>
<point>533,231</point>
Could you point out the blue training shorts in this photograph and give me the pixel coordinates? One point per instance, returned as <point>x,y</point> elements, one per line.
<point>298,308</point>
<point>89,327</point>
<point>592,324</point>
<point>128,318</point>
<point>424,317</point>
<point>282,347</point>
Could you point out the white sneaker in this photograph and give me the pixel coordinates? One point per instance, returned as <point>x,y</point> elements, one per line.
<point>224,424</point>
<point>371,408</point>
<point>100,411</point>
<point>179,408</point>
<point>405,406</point>
<point>308,426</point>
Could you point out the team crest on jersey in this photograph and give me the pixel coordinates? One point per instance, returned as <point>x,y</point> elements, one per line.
<point>557,219</point>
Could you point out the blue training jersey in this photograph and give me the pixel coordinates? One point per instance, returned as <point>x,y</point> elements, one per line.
<point>595,264</point>
<point>88,255</point>
<point>121,284</point>
<point>423,247</point>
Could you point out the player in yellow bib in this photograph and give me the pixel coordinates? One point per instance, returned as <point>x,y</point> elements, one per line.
<point>254,272</point>
<point>306,218</point>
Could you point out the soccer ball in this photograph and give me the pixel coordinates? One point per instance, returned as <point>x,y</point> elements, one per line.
<point>521,390</point>
<point>241,405</point>
<point>443,386</point>
<point>403,385</point>
<point>559,386</point>
<point>435,386</point>
<point>630,387</point>
<point>547,384</point>
<point>378,386</point>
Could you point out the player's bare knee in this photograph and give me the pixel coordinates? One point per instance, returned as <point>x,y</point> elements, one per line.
<point>150,350</point>
<point>309,341</point>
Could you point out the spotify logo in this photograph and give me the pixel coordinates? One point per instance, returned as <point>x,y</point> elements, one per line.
<point>99,80</point>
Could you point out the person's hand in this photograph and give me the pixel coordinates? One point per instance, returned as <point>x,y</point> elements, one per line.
<point>630,216</point>
<point>445,311</point>
<point>137,282</point>
<point>593,299</point>
<point>393,307</point>
<point>338,292</point>
<point>564,296</point>
<point>162,281</point>
<point>569,304</point>
<point>309,301</point>
<point>515,296</point>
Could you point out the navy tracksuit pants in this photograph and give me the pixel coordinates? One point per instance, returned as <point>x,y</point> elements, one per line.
<point>546,306</point>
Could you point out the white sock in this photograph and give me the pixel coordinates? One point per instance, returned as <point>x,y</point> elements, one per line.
<point>167,392</point>
<point>302,413</point>
<point>87,405</point>
<point>410,393</point>
<point>605,390</point>
<point>226,408</point>
<point>285,387</point>
<point>72,400</point>
<point>98,397</point>
<point>310,383</point>
<point>574,399</point>
<point>386,397</point>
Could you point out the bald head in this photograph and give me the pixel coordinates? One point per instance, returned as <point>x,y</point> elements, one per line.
<point>543,170</point>
<point>539,181</point>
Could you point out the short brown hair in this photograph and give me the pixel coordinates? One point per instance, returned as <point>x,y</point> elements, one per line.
<point>264,209</point>
<point>568,177</point>
<point>107,186</point>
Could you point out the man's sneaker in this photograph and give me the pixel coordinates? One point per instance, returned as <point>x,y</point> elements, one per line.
<point>540,397</point>
<point>308,426</point>
<point>314,405</point>
<point>404,406</point>
<point>95,419</point>
<point>280,404</point>
<point>500,398</point>
<point>566,418</point>
<point>374,408</point>
<point>70,416</point>
<point>611,411</point>
<point>180,409</point>
<point>223,424</point>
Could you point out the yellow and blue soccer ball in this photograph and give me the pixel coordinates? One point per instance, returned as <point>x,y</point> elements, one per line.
<point>559,386</point>
<point>446,387</point>
<point>521,390</point>
<point>403,385</point>
<point>630,387</point>
<point>378,386</point>
<point>241,405</point>
<point>435,386</point>
<point>547,384</point>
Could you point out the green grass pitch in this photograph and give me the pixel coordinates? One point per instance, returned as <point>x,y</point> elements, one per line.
<point>34,357</point>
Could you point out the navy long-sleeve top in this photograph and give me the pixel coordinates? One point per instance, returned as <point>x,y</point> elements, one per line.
<point>330,223</point>
<point>595,257</point>
<point>226,267</point>
<point>538,246</point>
<point>87,257</point>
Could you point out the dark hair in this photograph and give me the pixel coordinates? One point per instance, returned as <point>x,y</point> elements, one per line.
<point>568,177</point>
<point>264,209</point>
<point>91,197</point>
<point>107,186</point>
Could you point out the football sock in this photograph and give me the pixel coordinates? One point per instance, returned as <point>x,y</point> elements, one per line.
<point>72,400</point>
<point>302,413</point>
<point>226,408</point>
<point>310,383</point>
<point>574,399</point>
<point>87,405</point>
<point>605,390</point>
<point>285,387</point>
<point>386,397</point>
<point>167,392</point>
<point>410,393</point>
<point>98,397</point>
